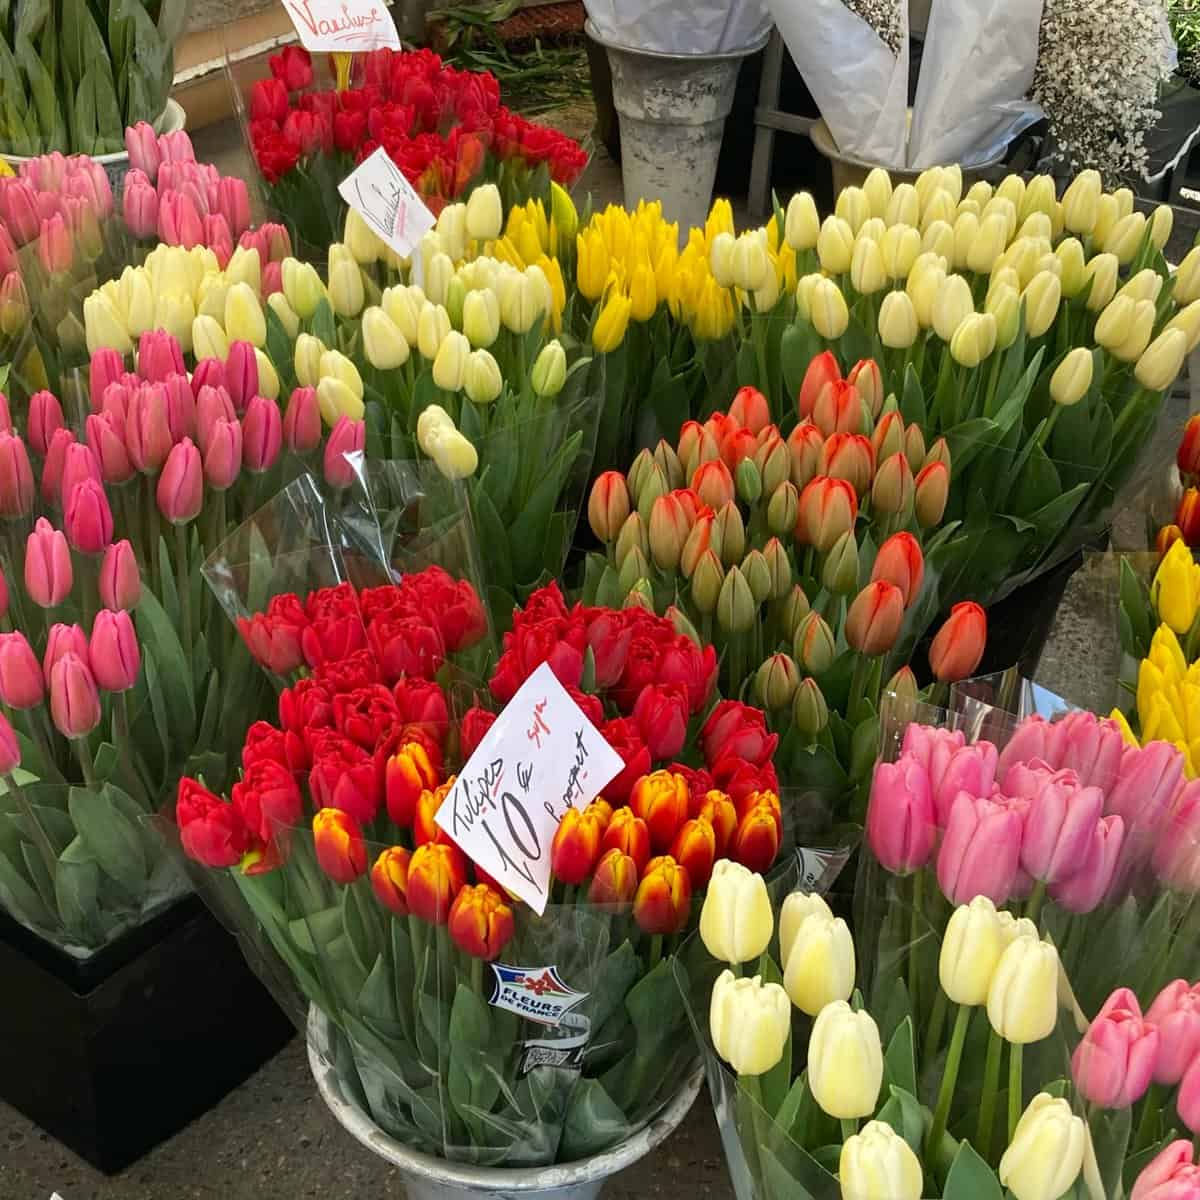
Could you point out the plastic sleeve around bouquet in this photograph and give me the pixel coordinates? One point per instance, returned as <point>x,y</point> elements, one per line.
<point>711,28</point>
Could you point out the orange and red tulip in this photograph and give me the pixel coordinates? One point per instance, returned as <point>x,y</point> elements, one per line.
<point>756,842</point>
<point>663,900</point>
<point>719,811</point>
<point>436,874</point>
<point>338,841</point>
<point>661,800</point>
<point>407,773</point>
<point>874,618</point>
<point>389,879</point>
<point>576,847</point>
<point>695,849</point>
<point>615,882</point>
<point>480,922</point>
<point>901,562</point>
<point>629,834</point>
<point>958,646</point>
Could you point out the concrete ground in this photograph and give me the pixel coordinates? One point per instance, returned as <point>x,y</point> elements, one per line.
<point>272,1138</point>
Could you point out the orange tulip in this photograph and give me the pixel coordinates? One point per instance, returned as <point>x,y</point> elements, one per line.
<point>480,922</point>
<point>894,488</point>
<point>695,850</point>
<point>931,493</point>
<point>822,372</point>
<point>867,377</point>
<point>713,483</point>
<point>839,409</point>
<point>848,456</point>
<point>436,874</point>
<point>338,841</point>
<point>766,799</point>
<point>575,848</point>
<point>424,827</point>
<point>407,773</point>
<point>1187,457</point>
<point>389,879</point>
<point>888,438</point>
<point>750,408</point>
<point>669,529</point>
<point>718,810</point>
<point>608,505</point>
<point>874,618</point>
<point>958,647</point>
<point>756,842</point>
<point>628,833</point>
<point>663,900</point>
<point>615,882</point>
<point>1168,535</point>
<point>1187,516</point>
<point>600,810</point>
<point>805,444</point>
<point>900,561</point>
<point>828,508</point>
<point>661,800</point>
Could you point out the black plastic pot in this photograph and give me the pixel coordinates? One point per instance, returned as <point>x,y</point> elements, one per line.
<point>116,1053</point>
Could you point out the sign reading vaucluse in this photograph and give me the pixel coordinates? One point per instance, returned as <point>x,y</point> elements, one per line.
<point>541,758</point>
<point>345,26</point>
<point>387,202</point>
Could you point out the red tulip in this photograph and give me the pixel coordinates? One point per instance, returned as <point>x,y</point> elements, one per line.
<point>389,879</point>
<point>663,899</point>
<point>480,922</point>
<point>839,409</point>
<point>338,842</point>
<point>575,848</point>
<point>661,713</point>
<point>1187,457</point>
<point>268,798</point>
<point>958,646</point>
<point>211,831</point>
<point>437,872</point>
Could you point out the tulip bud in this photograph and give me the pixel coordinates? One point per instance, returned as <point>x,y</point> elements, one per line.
<point>814,646</point>
<point>728,535</point>
<point>389,876</point>
<point>801,223</point>
<point>845,1062</point>
<point>48,573</point>
<point>776,681</point>
<point>974,339</point>
<point>549,370</point>
<point>835,245</point>
<point>867,272</point>
<point>180,489</point>
<point>899,248</point>
<point>900,562</point>
<point>615,881</point>
<point>894,488</point>
<point>932,489</point>
<point>958,646</point>
<point>1160,364</point>
<point>113,651</point>
<point>647,486</point>
<point>749,1023</point>
<point>664,897</point>
<point>484,214</point>
<point>898,323</point>
<point>878,1162</point>
<point>74,699</point>
<point>829,315</point>
<point>1072,378</point>
<point>608,506</point>
<point>736,606</point>
<point>347,438</point>
<point>1022,999</point>
<point>874,618</point>
<point>1047,1150</point>
<point>904,207</point>
<point>707,582</point>
<point>971,950</point>
<point>1187,278</point>
<point>1187,320</point>
<point>839,572</point>
<point>1125,238</point>
<point>482,381</point>
<point>783,509</point>
<point>1080,202</point>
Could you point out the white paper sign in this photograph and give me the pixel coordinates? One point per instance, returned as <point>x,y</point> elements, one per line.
<point>343,26</point>
<point>387,202</point>
<point>541,757</point>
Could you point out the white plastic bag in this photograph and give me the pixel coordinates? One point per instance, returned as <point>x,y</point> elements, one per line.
<point>668,27</point>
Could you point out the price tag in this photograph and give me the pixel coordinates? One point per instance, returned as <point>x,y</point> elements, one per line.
<point>387,202</point>
<point>343,26</point>
<point>540,758</point>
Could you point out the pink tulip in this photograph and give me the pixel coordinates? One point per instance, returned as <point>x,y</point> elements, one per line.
<point>1177,852</point>
<point>181,484</point>
<point>113,653</point>
<point>970,769</point>
<point>52,468</point>
<point>272,279</point>
<point>16,477</point>
<point>302,421</point>
<point>209,372</point>
<point>45,416</point>
<point>233,202</point>
<point>1114,1063</point>
<point>79,463</point>
<point>6,423</point>
<point>83,229</point>
<point>1084,889</point>
<point>241,375</point>
<point>1090,747</point>
<point>1187,1100</point>
<point>107,366</point>
<point>1060,822</point>
<point>10,748</point>
<point>48,575</point>
<point>74,698</point>
<point>109,448</point>
<point>1176,1012</point>
<point>159,355</point>
<point>3,596</point>
<point>176,147</point>
<point>262,435</point>
<point>1170,1175</point>
<point>141,142</point>
<point>147,430</point>
<point>21,211</point>
<point>179,221</point>
<point>217,238</point>
<point>63,639</point>
<point>181,407</point>
<point>256,239</point>
<point>922,740</point>
<point>8,252</point>
<point>21,684</point>
<point>1147,783</point>
<point>114,405</point>
<point>223,455</point>
<point>900,819</point>
<point>1033,738</point>
<point>89,179</point>
<point>346,438</point>
<point>56,252</point>
<point>139,207</point>
<point>212,404</point>
<point>981,849</point>
<point>120,580</point>
<point>88,519</point>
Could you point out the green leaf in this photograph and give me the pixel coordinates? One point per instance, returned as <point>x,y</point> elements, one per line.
<point>620,970</point>
<point>109,836</point>
<point>899,1064</point>
<point>158,636</point>
<point>593,1122</point>
<point>322,324</point>
<point>76,889</point>
<point>903,1112</point>
<point>377,1000</point>
<point>971,1178</point>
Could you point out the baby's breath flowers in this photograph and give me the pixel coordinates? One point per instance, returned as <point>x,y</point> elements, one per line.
<point>883,16</point>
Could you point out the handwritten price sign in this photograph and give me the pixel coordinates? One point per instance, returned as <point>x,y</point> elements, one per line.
<point>387,202</point>
<point>541,758</point>
<point>343,26</point>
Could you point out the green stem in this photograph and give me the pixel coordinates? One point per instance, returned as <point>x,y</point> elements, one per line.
<point>849,1128</point>
<point>914,935</point>
<point>941,1114</point>
<point>183,586</point>
<point>86,763</point>
<point>991,1085</point>
<point>857,682</point>
<point>1036,898</point>
<point>933,1035</point>
<point>40,728</point>
<point>656,945</point>
<point>1151,1107</point>
<point>1015,1091</point>
<point>477,976</point>
<point>124,743</point>
<point>36,833</point>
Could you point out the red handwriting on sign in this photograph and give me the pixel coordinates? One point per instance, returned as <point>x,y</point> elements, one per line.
<point>339,24</point>
<point>539,726</point>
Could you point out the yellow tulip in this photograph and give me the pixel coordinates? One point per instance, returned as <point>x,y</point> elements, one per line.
<point>104,326</point>
<point>268,377</point>
<point>952,306</point>
<point>1006,208</point>
<point>714,313</point>
<point>749,1023</point>
<point>939,239</point>
<point>1161,224</point>
<point>720,220</point>
<point>288,318</point>
<point>1037,225</point>
<point>1141,330</point>
<point>336,400</point>
<point>898,324</point>
<point>1022,1000</point>
<point>748,264</point>
<point>1072,377</point>
<point>988,244</point>
<point>1187,321</point>
<point>853,207</point>
<point>244,320</point>
<point>208,339</point>
<point>818,964</point>
<point>923,288</point>
<point>1123,725</point>
<point>966,231</point>
<point>1042,298</point>
<point>830,316</point>
<point>433,324</point>
<point>1123,198</point>
<point>835,245</point>
<point>549,370</point>
<point>404,309</point>
<point>336,365</point>
<point>454,455</point>
<point>878,189</point>
<point>244,267</point>
<point>484,213</point>
<point>450,362</point>
<point>867,272</point>
<point>1047,1151</point>
<point>801,224</point>
<point>302,286</point>
<point>1072,267</point>
<point>1101,274</point>
<point>900,246</point>
<point>1004,304</point>
<point>1081,202</point>
<point>877,1162</point>
<point>307,359</point>
<point>433,420</point>
<point>552,273</point>
<point>1165,651</point>
<point>1187,277</point>
<point>928,184</point>
<point>736,921</point>
<point>974,339</point>
<point>1125,238</point>
<point>1012,189</point>
<point>175,313</point>
<point>940,208</point>
<point>1114,323</point>
<point>592,264</point>
<point>609,330</point>
<point>482,380</point>
<point>1160,363</point>
<point>1040,197</point>
<point>564,213</point>
<point>383,343</point>
<point>845,1062</point>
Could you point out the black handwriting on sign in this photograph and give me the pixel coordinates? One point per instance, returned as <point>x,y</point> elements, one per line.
<point>383,205</point>
<point>576,778</point>
<point>518,839</point>
<point>524,775</point>
<point>472,796</point>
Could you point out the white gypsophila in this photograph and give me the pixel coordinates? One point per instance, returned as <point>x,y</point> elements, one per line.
<point>1100,66</point>
<point>883,16</point>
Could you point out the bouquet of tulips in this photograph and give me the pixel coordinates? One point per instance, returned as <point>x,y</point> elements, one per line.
<point>444,128</point>
<point>479,1029</point>
<point>810,562</point>
<point>464,369</point>
<point>1064,822</point>
<point>1080,1115</point>
<point>61,236</point>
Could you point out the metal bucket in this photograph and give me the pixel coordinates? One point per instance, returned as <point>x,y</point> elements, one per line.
<point>430,1178</point>
<point>852,172</point>
<point>672,110</point>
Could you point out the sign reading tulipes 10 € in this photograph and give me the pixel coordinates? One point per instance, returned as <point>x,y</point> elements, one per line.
<point>540,758</point>
<point>343,26</point>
